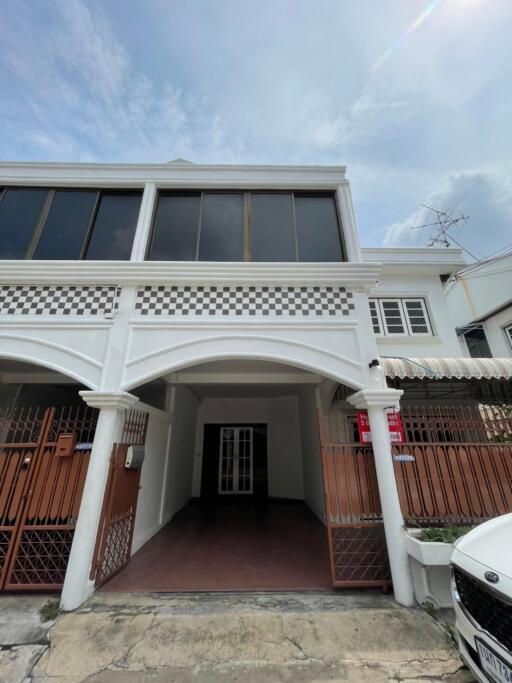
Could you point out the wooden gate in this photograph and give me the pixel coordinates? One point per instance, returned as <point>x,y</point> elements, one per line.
<point>357,544</point>
<point>117,522</point>
<point>44,455</point>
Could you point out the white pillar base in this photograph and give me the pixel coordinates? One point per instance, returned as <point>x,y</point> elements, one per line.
<point>77,584</point>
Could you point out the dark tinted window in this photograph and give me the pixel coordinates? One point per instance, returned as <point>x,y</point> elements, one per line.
<point>175,228</point>
<point>478,345</point>
<point>20,210</point>
<point>65,228</point>
<point>272,231</point>
<point>317,229</point>
<point>222,228</point>
<point>114,227</point>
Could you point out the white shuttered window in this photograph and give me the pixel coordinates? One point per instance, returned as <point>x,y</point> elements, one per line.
<point>400,317</point>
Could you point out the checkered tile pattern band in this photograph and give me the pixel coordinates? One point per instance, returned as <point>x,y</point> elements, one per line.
<point>243,301</point>
<point>55,300</point>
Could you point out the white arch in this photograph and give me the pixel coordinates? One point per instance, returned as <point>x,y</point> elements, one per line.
<point>243,347</point>
<point>47,354</point>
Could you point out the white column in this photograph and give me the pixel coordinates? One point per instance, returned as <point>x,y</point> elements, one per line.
<point>77,584</point>
<point>376,401</point>
<point>143,228</point>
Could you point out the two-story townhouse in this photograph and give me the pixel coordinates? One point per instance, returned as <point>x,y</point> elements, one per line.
<point>193,366</point>
<point>480,301</point>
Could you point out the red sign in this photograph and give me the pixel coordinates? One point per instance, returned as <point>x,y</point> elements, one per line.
<point>365,435</point>
<point>396,430</point>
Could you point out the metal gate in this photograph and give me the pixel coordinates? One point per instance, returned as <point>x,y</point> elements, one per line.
<point>117,522</point>
<point>44,455</point>
<point>357,544</point>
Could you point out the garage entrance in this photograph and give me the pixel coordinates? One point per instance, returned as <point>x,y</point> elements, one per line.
<point>242,496</point>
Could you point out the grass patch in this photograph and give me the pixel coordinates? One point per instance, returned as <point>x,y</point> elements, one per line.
<point>447,534</point>
<point>429,608</point>
<point>49,611</point>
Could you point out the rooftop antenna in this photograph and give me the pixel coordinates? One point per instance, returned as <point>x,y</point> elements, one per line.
<point>442,221</point>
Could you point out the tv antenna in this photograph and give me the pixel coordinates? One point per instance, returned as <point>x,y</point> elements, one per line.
<point>442,221</point>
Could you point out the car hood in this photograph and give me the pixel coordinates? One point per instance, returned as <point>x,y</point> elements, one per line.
<point>490,544</point>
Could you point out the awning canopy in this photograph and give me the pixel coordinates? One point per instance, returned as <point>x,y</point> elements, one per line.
<point>450,368</point>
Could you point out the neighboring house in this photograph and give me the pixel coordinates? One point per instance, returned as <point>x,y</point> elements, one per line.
<point>480,301</point>
<point>226,319</point>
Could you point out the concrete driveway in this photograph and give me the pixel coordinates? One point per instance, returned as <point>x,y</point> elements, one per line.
<point>209,638</point>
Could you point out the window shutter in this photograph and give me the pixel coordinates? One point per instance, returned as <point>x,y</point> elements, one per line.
<point>375,316</point>
<point>416,315</point>
<point>392,315</point>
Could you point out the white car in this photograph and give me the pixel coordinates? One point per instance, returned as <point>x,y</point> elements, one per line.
<point>481,566</point>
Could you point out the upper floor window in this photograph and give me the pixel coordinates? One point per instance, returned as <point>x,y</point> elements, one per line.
<point>477,343</point>
<point>401,317</point>
<point>245,226</point>
<point>57,224</point>
<point>508,332</point>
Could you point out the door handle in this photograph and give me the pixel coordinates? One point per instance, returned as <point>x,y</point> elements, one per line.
<point>26,462</point>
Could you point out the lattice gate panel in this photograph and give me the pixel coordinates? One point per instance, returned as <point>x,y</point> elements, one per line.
<point>40,493</point>
<point>357,544</point>
<point>115,533</point>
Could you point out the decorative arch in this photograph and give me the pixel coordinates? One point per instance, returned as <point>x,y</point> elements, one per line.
<point>52,356</point>
<point>239,347</point>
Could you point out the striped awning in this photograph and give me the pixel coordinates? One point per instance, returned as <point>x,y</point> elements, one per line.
<point>450,368</point>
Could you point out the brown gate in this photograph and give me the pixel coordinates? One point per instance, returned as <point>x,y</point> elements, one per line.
<point>357,544</point>
<point>117,522</point>
<point>44,455</point>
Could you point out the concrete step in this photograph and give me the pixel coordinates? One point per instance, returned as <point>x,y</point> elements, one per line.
<point>209,638</point>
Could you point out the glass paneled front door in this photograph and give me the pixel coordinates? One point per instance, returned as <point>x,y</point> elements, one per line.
<point>236,460</point>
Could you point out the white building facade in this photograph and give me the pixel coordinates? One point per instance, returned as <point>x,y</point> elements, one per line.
<point>480,301</point>
<point>234,296</point>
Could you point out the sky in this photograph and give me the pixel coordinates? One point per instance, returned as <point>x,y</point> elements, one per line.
<point>413,96</point>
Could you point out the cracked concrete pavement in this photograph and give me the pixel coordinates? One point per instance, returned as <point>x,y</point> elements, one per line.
<point>23,635</point>
<point>209,638</point>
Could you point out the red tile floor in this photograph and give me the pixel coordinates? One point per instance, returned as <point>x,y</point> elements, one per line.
<point>232,546</point>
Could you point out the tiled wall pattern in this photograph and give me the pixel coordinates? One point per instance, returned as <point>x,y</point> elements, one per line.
<point>58,300</point>
<point>243,300</point>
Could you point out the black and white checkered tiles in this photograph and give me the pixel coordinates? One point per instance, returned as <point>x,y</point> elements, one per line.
<point>245,300</point>
<point>55,300</point>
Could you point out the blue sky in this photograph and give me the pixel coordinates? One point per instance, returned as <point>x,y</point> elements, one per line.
<point>414,97</point>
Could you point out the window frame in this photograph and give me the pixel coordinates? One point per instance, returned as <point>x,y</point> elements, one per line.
<point>404,316</point>
<point>47,205</point>
<point>507,329</point>
<point>247,220</point>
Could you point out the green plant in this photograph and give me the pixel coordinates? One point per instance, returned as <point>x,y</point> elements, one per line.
<point>429,608</point>
<point>447,534</point>
<point>49,611</point>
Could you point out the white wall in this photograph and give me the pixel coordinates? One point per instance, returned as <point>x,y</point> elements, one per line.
<point>480,291</point>
<point>166,477</point>
<point>181,458</point>
<point>444,342</point>
<point>148,516</point>
<point>281,415</point>
<point>311,457</point>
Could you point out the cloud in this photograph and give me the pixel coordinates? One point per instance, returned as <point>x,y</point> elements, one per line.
<point>485,196</point>
<point>287,82</point>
